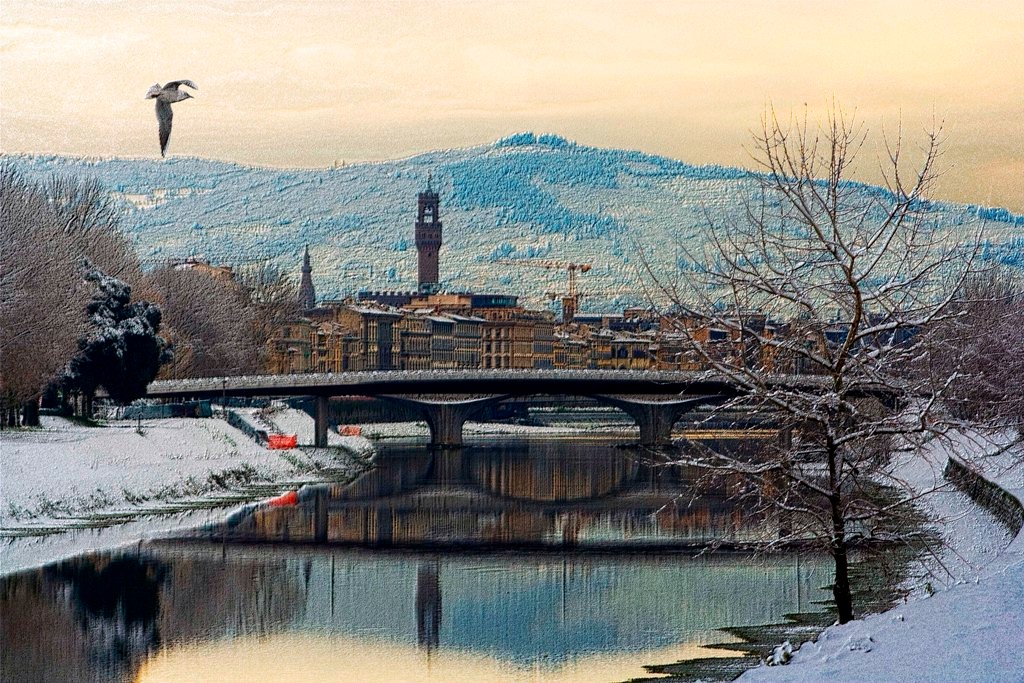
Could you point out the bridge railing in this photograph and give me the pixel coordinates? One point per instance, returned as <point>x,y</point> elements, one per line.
<point>258,383</point>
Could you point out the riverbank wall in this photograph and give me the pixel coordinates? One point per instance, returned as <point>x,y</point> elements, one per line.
<point>1002,504</point>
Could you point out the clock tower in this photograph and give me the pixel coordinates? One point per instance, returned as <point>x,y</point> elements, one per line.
<point>428,239</point>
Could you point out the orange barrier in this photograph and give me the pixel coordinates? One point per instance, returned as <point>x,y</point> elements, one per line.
<point>350,430</point>
<point>278,441</point>
<point>284,500</point>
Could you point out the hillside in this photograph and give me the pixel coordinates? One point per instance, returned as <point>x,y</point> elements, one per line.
<point>523,196</point>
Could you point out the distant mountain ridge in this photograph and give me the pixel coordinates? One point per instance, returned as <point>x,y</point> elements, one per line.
<point>524,196</point>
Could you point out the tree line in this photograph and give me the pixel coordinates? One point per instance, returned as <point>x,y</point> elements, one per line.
<point>78,312</point>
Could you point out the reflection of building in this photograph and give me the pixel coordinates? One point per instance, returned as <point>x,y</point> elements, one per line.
<point>428,605</point>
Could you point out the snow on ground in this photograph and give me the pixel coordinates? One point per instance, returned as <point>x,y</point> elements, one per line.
<point>65,469</point>
<point>17,554</point>
<point>64,473</point>
<point>970,629</point>
<point>281,419</point>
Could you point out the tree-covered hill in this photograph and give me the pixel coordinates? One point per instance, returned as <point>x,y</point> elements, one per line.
<point>524,196</point>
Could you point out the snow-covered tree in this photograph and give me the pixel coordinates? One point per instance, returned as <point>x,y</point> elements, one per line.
<point>823,278</point>
<point>121,350</point>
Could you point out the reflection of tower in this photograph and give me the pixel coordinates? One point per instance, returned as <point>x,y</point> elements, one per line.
<point>428,605</point>
<point>428,239</point>
<point>307,295</point>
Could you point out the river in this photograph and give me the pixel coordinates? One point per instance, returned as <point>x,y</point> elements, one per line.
<point>538,559</point>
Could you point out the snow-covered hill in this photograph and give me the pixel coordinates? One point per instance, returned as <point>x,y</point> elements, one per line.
<point>524,196</point>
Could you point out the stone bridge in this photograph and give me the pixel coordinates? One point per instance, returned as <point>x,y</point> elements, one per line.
<point>447,398</point>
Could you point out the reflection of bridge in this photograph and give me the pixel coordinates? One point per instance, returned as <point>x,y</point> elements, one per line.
<point>549,494</point>
<point>447,398</point>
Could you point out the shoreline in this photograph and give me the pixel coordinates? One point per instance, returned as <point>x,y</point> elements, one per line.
<point>962,617</point>
<point>68,488</point>
<point>957,603</point>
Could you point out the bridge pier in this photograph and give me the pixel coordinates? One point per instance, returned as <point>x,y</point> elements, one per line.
<point>446,418</point>
<point>445,423</point>
<point>656,418</point>
<point>320,422</point>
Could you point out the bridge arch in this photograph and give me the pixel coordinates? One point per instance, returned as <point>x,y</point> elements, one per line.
<point>446,418</point>
<point>655,416</point>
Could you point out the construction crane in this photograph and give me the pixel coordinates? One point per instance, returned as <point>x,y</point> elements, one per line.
<point>571,299</point>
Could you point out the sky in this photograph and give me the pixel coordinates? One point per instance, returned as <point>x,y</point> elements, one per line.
<point>315,83</point>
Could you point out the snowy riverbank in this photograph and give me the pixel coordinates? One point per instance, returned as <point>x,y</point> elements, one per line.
<point>965,620</point>
<point>68,488</point>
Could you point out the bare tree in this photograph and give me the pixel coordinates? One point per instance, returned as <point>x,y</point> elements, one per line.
<point>982,343</point>
<point>50,231</point>
<point>219,322</point>
<point>208,321</point>
<point>91,219</point>
<point>838,282</point>
<point>42,311</point>
<point>275,302</point>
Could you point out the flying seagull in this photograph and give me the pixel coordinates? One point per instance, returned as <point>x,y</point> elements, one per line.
<point>164,97</point>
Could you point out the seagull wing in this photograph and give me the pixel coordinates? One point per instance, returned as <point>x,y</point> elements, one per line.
<point>164,116</point>
<point>174,84</point>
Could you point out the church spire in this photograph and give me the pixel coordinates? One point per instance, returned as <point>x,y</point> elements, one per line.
<point>307,295</point>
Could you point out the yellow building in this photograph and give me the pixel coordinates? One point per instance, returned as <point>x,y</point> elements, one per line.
<point>289,350</point>
<point>674,351</point>
<point>543,342</point>
<point>442,342</point>
<point>413,342</point>
<point>571,354</point>
<point>374,328</point>
<point>601,350</point>
<point>496,344</point>
<point>630,353</point>
<point>335,349</point>
<point>468,341</point>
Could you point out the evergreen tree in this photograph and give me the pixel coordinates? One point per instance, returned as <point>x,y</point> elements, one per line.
<point>121,351</point>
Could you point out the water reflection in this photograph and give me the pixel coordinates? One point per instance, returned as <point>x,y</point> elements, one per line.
<point>500,614</point>
<point>227,603</point>
<point>532,493</point>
